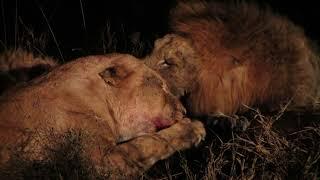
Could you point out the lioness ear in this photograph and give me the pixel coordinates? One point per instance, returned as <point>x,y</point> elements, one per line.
<point>114,75</point>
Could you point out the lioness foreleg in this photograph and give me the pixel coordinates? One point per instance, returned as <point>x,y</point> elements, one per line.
<point>139,154</point>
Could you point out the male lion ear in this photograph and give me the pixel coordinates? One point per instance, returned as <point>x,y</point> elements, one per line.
<point>114,75</point>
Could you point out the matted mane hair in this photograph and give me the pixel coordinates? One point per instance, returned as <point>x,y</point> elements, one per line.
<point>265,41</point>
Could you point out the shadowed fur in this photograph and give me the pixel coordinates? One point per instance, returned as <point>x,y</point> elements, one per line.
<point>17,66</point>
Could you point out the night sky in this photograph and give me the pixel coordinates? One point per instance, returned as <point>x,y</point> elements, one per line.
<point>79,25</point>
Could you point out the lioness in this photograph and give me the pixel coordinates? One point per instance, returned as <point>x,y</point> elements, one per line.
<point>113,99</point>
<point>223,57</point>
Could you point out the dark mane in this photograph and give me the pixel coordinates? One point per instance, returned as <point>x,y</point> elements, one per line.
<point>241,26</point>
<point>280,60</point>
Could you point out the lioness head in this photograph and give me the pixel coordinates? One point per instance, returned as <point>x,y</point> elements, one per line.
<point>139,98</point>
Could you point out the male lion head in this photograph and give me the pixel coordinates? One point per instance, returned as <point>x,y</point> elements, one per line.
<point>176,60</point>
<point>224,57</point>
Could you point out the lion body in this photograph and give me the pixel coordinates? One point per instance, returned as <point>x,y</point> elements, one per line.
<point>111,99</point>
<point>225,57</point>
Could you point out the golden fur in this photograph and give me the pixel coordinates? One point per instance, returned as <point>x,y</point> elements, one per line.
<point>112,99</point>
<point>222,56</point>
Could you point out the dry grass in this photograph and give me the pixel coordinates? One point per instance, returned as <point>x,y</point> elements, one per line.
<point>284,145</point>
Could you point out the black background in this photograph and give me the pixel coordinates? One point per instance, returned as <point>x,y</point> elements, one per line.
<point>123,17</point>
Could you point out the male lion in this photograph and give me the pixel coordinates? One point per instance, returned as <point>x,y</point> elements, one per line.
<point>223,57</point>
<point>113,99</point>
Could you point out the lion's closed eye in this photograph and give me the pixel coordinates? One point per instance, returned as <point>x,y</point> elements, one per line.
<point>167,62</point>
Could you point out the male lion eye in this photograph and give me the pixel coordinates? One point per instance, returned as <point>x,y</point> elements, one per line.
<point>166,63</point>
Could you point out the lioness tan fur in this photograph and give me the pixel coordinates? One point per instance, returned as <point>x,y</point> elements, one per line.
<point>113,99</point>
<point>225,56</point>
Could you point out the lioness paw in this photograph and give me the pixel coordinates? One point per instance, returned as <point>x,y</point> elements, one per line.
<point>194,132</point>
<point>184,134</point>
<point>199,132</point>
